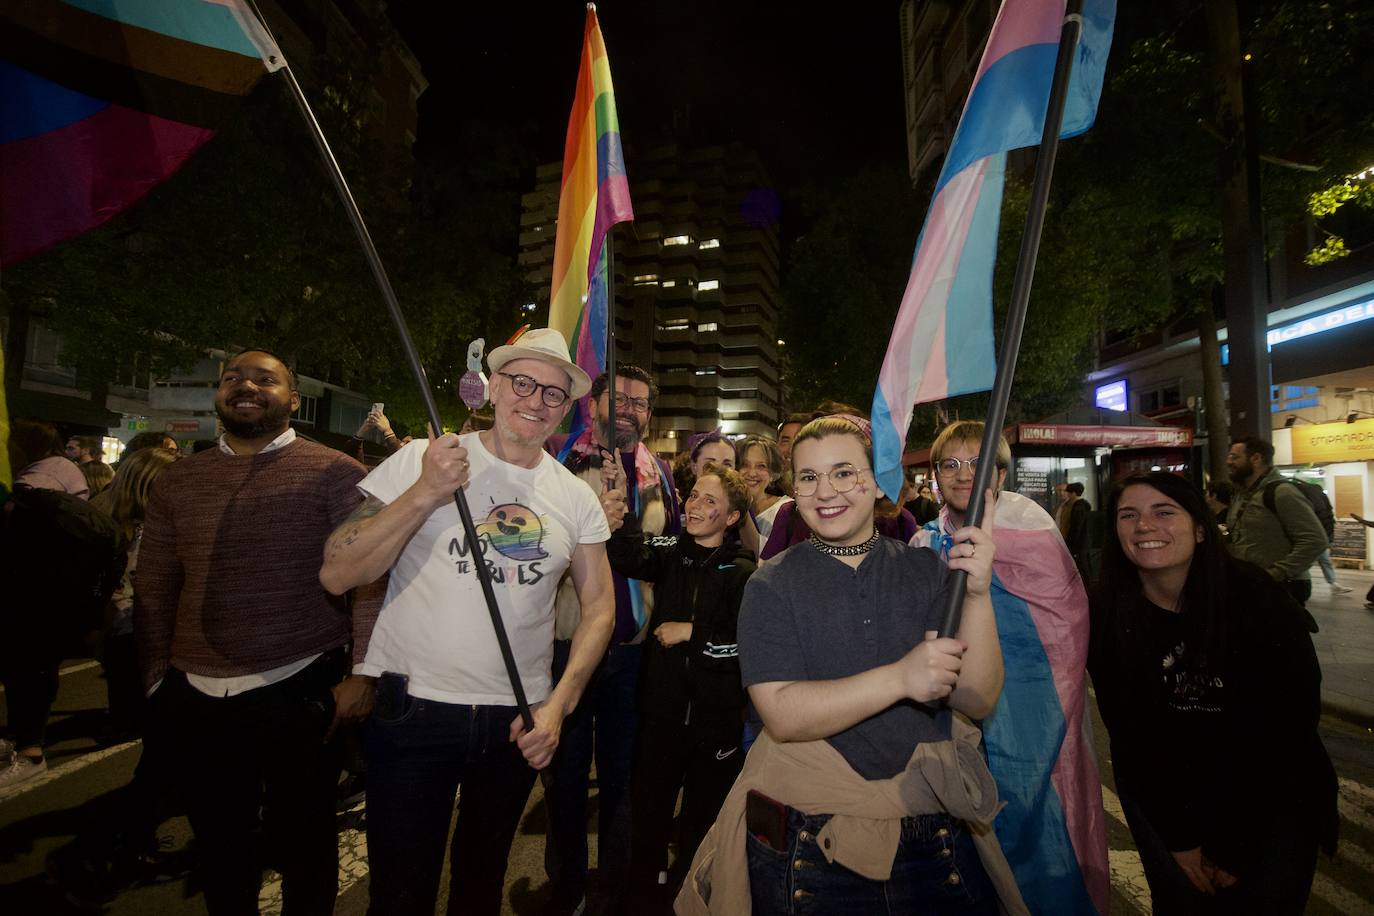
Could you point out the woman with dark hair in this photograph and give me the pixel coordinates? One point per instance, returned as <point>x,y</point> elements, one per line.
<point>1210,689</point>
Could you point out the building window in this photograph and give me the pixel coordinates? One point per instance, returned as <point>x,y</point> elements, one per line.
<point>646,280</point>
<point>710,371</point>
<point>676,324</point>
<point>669,284</point>
<point>1293,397</point>
<point>306,412</point>
<point>707,326</point>
<point>676,240</point>
<point>1159,398</point>
<point>709,243</point>
<point>706,285</point>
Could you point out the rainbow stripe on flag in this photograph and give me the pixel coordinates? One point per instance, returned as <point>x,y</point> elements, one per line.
<point>595,196</point>
<point>1052,829</point>
<point>100,100</point>
<point>942,342</point>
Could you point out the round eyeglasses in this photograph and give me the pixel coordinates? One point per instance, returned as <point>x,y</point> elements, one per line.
<point>842,479</point>
<point>948,467</point>
<point>524,386</point>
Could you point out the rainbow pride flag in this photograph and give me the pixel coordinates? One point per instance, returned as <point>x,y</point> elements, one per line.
<point>1052,829</point>
<point>942,342</point>
<point>100,100</point>
<point>595,196</point>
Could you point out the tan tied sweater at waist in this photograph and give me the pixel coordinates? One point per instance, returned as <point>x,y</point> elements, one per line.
<point>812,777</point>
<point>228,577</point>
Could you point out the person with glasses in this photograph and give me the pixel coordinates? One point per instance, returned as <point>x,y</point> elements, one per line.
<point>630,480</point>
<point>847,801</point>
<point>790,527</point>
<point>445,713</point>
<point>1052,829</point>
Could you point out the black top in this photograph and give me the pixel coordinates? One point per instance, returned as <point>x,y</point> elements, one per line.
<point>696,682</point>
<point>809,617</point>
<point>1215,759</point>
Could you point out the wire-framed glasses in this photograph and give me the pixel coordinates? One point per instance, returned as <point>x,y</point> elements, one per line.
<point>842,479</point>
<point>948,467</point>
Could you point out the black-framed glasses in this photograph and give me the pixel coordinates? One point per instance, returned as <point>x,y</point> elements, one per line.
<point>948,467</point>
<point>640,405</point>
<point>524,386</point>
<point>842,479</point>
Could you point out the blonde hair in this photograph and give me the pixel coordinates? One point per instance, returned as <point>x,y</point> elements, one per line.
<point>126,498</point>
<point>967,432</point>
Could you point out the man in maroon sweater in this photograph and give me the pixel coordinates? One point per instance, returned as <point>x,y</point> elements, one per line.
<point>245,655</point>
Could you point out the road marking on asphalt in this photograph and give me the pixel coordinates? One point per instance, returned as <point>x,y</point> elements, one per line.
<point>1357,791</point>
<point>66,769</point>
<point>1347,802</point>
<point>70,669</point>
<point>1343,900</point>
<point>79,666</point>
<point>1128,875</point>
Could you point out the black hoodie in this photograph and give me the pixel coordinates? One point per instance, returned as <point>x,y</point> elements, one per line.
<point>698,680</point>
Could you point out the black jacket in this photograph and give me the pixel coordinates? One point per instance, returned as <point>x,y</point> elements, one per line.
<point>697,680</point>
<point>1216,763</point>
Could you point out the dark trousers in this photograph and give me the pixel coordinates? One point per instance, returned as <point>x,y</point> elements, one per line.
<point>418,756</point>
<point>30,688</point>
<point>123,685</point>
<point>1276,879</point>
<point>936,871</point>
<point>262,748</point>
<point>1300,589</point>
<point>703,763</point>
<point>603,725</point>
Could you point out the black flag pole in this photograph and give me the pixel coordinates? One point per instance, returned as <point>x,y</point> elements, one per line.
<point>398,321</point>
<point>1020,296</point>
<point>612,432</point>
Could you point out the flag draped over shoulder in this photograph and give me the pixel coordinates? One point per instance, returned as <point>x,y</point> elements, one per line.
<point>942,342</point>
<point>1053,829</point>
<point>595,196</point>
<point>100,100</point>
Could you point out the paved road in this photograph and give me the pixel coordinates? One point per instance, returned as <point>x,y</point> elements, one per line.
<point>46,813</point>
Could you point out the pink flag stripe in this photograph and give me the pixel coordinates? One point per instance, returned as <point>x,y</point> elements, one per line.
<point>1030,22</point>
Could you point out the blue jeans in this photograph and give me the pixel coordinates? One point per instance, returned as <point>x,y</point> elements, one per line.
<point>936,871</point>
<point>603,725</point>
<point>416,763</point>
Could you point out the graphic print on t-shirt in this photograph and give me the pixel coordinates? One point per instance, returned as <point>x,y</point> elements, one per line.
<point>1189,690</point>
<point>516,532</point>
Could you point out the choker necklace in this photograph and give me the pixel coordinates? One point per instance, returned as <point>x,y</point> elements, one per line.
<point>852,550</point>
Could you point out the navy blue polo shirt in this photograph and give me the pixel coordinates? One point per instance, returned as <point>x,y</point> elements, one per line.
<point>807,616</point>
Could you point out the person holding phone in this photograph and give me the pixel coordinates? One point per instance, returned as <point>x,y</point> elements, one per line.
<point>861,794</point>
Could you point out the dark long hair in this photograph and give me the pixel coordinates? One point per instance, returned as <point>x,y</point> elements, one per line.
<point>1206,599</point>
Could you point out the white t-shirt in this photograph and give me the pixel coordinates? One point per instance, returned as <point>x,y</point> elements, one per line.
<point>764,520</point>
<point>434,625</point>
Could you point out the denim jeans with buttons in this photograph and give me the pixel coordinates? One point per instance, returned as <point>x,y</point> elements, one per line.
<point>936,871</point>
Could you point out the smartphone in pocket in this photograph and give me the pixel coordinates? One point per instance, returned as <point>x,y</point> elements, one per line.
<point>766,819</point>
<point>392,694</point>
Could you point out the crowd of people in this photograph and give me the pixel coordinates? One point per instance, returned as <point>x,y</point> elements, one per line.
<point>743,645</point>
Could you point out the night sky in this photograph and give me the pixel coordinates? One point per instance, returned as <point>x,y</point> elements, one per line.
<point>816,89</point>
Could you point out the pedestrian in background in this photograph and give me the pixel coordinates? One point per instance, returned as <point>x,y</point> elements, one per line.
<point>1211,692</point>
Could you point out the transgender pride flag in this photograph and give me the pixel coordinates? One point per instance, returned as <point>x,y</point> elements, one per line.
<point>595,196</point>
<point>942,343</point>
<point>102,99</point>
<point>1052,829</point>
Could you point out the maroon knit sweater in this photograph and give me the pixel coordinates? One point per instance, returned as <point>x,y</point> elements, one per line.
<point>228,580</point>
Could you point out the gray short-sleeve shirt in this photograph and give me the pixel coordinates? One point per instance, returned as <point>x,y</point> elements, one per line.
<point>809,617</point>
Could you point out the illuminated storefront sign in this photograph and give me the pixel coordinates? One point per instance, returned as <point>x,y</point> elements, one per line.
<point>1111,396</point>
<point>1333,442</point>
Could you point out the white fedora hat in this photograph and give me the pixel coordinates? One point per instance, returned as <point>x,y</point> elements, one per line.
<point>546,345</point>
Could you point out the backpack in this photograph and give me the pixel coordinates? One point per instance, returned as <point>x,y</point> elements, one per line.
<point>1315,495</point>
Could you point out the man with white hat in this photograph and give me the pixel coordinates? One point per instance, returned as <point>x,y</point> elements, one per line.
<point>445,713</point>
